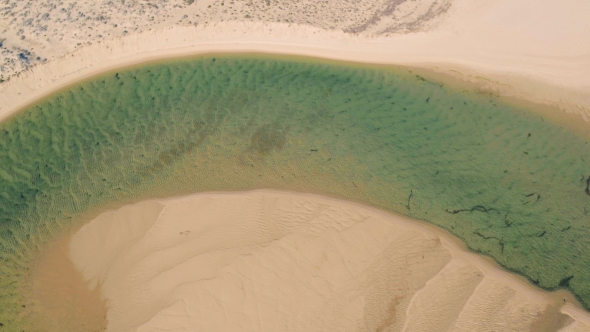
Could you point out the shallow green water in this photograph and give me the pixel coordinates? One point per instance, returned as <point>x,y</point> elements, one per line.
<point>510,184</point>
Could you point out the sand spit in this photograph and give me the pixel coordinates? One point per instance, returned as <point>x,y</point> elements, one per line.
<point>277,261</point>
<point>521,49</point>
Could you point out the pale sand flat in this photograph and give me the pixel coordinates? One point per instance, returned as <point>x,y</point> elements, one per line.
<point>582,319</point>
<point>277,261</point>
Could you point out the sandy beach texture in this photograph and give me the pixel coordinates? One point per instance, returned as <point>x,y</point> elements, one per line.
<point>539,52</point>
<point>278,261</point>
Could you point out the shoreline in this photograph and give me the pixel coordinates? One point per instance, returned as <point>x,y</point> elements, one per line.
<point>560,301</point>
<point>133,50</point>
<point>61,292</point>
<point>285,39</point>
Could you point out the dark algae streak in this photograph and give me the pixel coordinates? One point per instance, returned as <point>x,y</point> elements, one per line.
<point>478,208</point>
<point>376,135</point>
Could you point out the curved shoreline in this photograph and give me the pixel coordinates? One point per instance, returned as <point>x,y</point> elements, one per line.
<point>83,245</point>
<point>541,80</point>
<point>284,39</point>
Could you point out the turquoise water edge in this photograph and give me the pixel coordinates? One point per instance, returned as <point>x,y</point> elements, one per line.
<point>507,182</point>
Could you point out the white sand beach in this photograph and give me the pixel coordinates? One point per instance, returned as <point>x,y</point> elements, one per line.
<point>278,261</point>
<point>531,50</point>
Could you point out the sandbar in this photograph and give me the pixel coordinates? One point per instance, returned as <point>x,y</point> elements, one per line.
<point>268,260</point>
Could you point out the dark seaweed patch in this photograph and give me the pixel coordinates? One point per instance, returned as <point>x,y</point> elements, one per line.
<point>478,208</point>
<point>268,138</point>
<point>565,282</point>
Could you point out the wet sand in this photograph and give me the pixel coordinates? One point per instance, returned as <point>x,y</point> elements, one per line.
<point>65,301</point>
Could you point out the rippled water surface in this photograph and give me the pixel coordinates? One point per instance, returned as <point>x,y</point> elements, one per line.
<point>510,184</point>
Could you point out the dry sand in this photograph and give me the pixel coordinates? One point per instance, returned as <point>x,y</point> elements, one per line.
<point>276,261</point>
<point>537,51</point>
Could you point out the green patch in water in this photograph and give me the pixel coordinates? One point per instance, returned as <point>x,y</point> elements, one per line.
<point>508,183</point>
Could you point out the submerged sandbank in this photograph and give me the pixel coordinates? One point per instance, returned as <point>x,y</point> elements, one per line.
<point>269,260</point>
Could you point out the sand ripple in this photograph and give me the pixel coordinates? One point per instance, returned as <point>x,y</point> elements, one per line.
<point>273,261</point>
